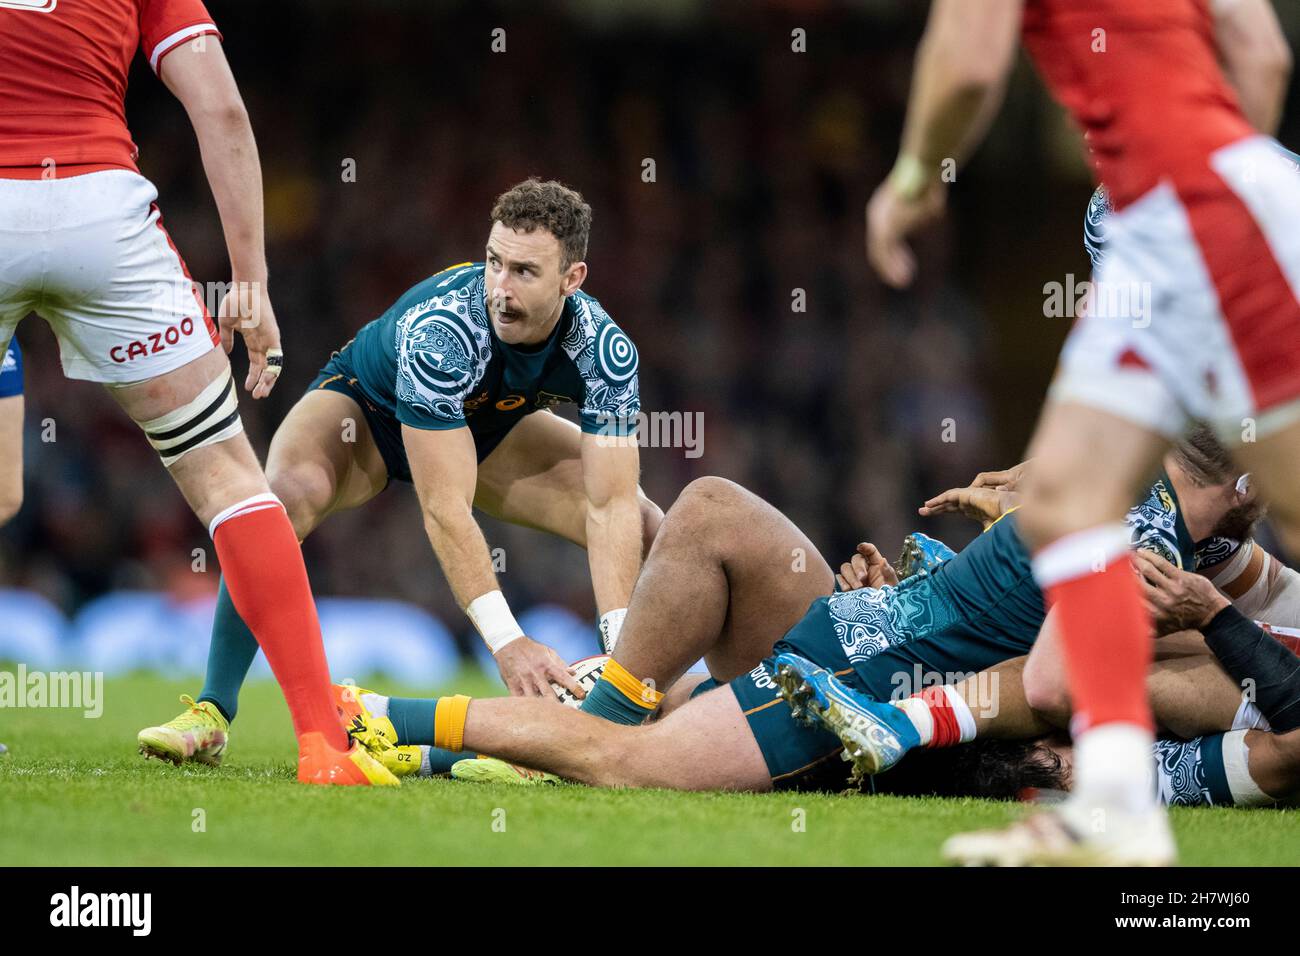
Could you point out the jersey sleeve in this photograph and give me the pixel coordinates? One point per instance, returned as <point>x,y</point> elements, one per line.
<point>608,362</point>
<point>439,361</point>
<point>11,372</point>
<point>166,24</point>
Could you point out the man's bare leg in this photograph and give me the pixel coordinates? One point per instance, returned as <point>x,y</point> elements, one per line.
<point>323,460</point>
<point>706,744</point>
<point>727,577</point>
<point>1190,694</point>
<point>11,455</point>
<point>1275,762</point>
<point>259,553</point>
<point>534,479</point>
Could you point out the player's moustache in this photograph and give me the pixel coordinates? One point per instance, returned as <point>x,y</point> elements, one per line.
<point>499,307</point>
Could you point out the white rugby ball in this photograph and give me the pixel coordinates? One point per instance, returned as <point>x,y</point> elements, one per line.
<point>586,672</point>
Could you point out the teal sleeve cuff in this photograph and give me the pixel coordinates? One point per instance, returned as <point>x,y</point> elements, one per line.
<point>431,424</point>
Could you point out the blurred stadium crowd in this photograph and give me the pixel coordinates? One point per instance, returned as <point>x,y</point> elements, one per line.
<point>844,414</point>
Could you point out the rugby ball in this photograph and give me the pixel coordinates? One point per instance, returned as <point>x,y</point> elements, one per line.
<point>586,672</point>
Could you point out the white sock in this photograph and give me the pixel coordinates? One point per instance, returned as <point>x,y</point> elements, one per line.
<point>1113,769</point>
<point>918,712</point>
<point>1236,766</point>
<point>965,719</point>
<point>377,704</point>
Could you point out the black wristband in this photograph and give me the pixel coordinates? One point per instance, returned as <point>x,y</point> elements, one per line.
<point>1228,623</point>
<point>1255,659</point>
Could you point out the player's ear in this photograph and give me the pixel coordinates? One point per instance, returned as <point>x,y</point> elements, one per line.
<point>574,276</point>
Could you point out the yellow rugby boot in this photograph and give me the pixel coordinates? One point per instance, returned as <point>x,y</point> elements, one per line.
<point>200,734</point>
<point>401,761</point>
<point>492,770</point>
<point>356,717</point>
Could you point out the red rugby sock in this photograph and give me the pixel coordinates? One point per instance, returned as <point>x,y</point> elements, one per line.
<point>940,715</point>
<point>1105,629</point>
<point>264,571</point>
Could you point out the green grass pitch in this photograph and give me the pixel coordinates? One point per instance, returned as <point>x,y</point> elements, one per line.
<point>74,792</point>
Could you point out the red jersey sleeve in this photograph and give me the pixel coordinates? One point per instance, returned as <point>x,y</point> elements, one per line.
<point>166,24</point>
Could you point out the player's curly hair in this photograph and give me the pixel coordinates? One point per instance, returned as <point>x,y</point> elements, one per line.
<point>549,205</point>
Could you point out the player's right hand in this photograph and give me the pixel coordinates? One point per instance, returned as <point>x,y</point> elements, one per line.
<point>984,505</point>
<point>866,569</point>
<point>246,309</point>
<point>528,668</point>
<point>891,218</point>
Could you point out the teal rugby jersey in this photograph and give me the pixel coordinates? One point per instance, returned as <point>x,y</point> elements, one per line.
<point>981,606</point>
<point>433,361</point>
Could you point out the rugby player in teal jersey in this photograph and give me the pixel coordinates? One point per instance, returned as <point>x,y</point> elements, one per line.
<point>735,563</point>
<point>451,389</point>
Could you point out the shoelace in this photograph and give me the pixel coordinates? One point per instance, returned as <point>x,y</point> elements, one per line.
<point>368,737</point>
<point>196,716</point>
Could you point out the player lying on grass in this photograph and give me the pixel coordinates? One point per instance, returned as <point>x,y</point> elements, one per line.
<point>1017,746</point>
<point>733,581</point>
<point>450,389</point>
<point>1192,693</point>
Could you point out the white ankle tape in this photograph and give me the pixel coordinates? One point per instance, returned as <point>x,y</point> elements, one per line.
<point>247,506</point>
<point>1236,767</point>
<point>212,417</point>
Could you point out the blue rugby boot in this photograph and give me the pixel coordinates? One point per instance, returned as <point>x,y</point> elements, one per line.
<point>875,734</point>
<point>921,554</point>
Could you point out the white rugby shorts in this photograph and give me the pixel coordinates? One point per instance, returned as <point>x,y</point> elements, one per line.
<point>89,254</point>
<point>1195,309</point>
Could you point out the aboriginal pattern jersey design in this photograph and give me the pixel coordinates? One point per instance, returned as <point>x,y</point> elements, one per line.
<point>982,603</point>
<point>433,361</point>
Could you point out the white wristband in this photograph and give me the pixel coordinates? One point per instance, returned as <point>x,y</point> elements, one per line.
<point>496,625</point>
<point>611,622</point>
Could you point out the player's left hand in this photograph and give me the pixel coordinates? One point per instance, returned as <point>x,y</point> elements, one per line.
<point>890,220</point>
<point>866,569</point>
<point>246,309</point>
<point>1178,600</point>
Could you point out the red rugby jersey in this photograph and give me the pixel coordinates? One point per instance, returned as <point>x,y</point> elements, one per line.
<point>63,74</point>
<point>1142,78</point>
